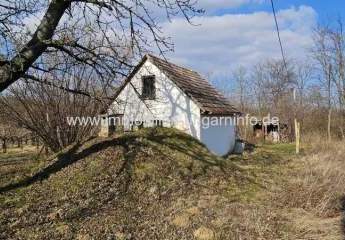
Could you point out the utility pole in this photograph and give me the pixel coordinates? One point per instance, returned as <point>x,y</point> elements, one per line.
<point>297,124</point>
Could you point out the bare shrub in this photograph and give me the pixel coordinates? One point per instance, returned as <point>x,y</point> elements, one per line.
<point>44,110</point>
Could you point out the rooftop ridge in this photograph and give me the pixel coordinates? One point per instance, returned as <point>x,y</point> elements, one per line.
<point>173,64</point>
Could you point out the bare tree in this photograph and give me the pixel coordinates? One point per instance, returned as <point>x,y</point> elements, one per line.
<point>10,132</point>
<point>304,74</point>
<point>328,51</point>
<point>273,85</point>
<point>96,33</point>
<point>6,133</point>
<point>242,86</point>
<point>46,109</point>
<point>337,38</point>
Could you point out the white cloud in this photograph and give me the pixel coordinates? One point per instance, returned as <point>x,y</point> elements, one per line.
<point>222,43</point>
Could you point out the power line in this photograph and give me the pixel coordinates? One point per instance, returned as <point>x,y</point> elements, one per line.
<point>281,45</point>
<point>278,33</point>
<point>297,124</point>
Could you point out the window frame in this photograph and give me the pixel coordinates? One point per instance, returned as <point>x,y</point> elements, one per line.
<point>152,94</point>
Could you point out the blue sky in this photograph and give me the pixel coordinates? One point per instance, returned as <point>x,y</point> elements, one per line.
<point>236,33</point>
<point>324,8</point>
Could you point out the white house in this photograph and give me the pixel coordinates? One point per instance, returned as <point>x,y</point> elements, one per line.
<point>159,93</point>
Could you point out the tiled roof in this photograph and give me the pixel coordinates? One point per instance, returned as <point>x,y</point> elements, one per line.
<point>193,85</point>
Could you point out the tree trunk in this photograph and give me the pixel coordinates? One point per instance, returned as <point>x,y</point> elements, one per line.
<point>329,104</point>
<point>341,127</point>
<point>14,69</point>
<point>4,146</point>
<point>329,125</point>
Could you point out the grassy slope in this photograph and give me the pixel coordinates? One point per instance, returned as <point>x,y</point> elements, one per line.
<point>152,184</point>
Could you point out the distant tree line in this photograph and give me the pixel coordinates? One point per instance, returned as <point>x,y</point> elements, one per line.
<point>318,84</point>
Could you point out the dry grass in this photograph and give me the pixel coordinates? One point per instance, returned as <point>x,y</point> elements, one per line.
<point>313,195</point>
<point>319,184</point>
<point>173,188</point>
<point>149,185</point>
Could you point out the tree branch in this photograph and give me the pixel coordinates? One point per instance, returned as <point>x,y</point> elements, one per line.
<point>19,64</point>
<point>74,91</point>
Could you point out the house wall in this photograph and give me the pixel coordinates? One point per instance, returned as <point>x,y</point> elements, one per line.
<point>171,105</point>
<point>219,138</point>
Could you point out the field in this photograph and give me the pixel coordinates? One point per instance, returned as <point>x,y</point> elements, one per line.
<point>162,184</point>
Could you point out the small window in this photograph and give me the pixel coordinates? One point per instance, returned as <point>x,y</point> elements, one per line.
<point>149,88</point>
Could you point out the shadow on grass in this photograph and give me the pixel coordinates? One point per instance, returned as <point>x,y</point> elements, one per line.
<point>198,152</point>
<point>64,159</point>
<point>131,143</point>
<point>78,152</point>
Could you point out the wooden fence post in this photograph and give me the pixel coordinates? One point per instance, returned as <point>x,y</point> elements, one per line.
<point>297,136</point>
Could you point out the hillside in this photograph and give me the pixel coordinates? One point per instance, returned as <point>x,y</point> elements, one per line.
<point>152,184</point>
